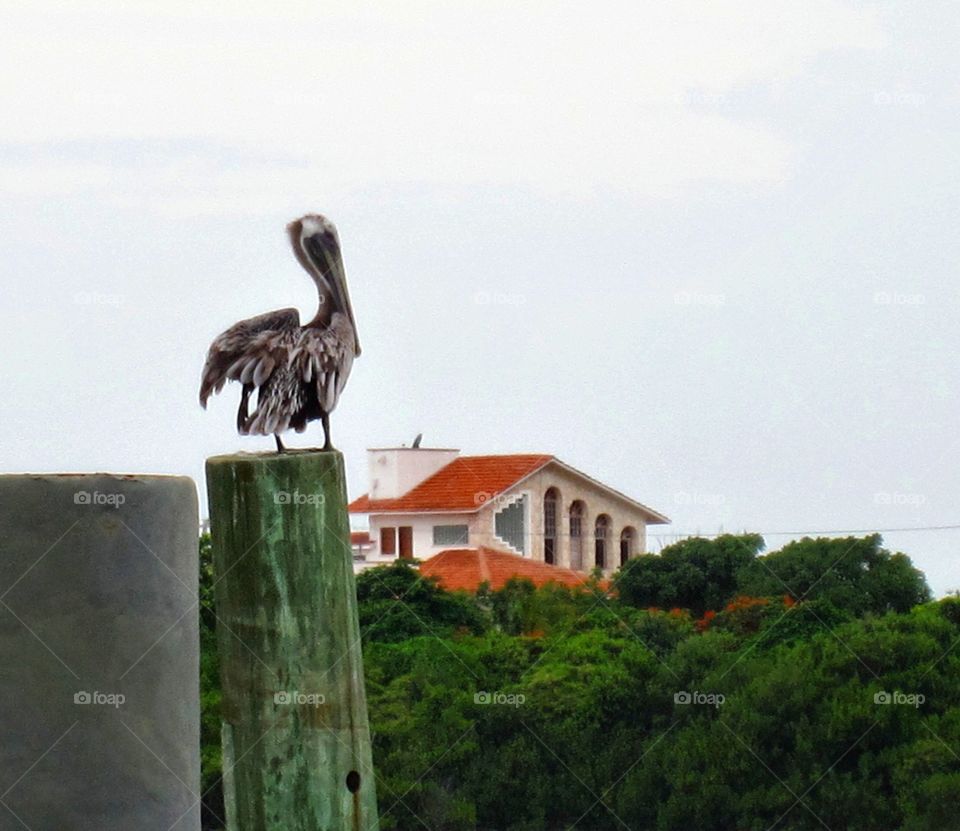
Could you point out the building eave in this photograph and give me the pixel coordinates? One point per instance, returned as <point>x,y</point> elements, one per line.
<point>652,517</point>
<point>656,518</point>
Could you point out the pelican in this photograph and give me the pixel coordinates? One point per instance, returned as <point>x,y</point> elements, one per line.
<point>298,372</point>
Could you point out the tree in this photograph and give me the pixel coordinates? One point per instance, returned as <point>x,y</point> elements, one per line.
<point>854,574</point>
<point>695,574</point>
<point>397,602</point>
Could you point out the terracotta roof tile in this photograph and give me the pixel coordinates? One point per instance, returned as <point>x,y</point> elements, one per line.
<point>463,485</point>
<point>467,568</point>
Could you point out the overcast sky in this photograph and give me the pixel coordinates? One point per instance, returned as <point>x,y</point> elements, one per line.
<point>705,252</point>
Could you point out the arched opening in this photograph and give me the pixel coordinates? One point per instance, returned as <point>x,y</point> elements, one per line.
<point>628,537</point>
<point>551,499</point>
<point>577,513</point>
<point>601,535</point>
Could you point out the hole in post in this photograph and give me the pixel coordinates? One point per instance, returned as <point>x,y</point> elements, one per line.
<point>353,781</point>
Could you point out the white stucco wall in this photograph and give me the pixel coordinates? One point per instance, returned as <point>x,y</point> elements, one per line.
<point>422,525</point>
<point>394,471</point>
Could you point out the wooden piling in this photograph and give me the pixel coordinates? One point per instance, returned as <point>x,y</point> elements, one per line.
<point>296,738</point>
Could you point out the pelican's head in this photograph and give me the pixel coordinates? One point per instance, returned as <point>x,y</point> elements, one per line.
<point>317,247</point>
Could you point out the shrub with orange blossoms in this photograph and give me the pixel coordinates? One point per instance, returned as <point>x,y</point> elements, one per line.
<point>704,623</point>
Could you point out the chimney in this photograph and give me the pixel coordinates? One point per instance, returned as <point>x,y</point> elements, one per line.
<point>395,471</point>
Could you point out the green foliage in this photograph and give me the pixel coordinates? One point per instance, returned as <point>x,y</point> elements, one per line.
<point>526,709</point>
<point>521,609</point>
<point>396,603</point>
<point>696,574</point>
<point>211,761</point>
<point>857,575</point>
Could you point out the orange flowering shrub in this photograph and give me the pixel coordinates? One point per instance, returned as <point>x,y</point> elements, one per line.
<point>704,623</point>
<point>745,602</point>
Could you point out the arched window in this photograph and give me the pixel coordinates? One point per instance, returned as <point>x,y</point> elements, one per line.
<point>628,538</point>
<point>550,501</point>
<point>601,535</point>
<point>577,512</point>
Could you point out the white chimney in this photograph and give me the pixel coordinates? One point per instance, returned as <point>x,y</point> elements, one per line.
<point>395,471</point>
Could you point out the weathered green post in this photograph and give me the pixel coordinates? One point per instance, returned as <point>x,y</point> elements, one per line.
<point>296,738</point>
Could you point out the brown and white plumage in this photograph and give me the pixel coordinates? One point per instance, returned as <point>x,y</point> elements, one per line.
<point>298,372</point>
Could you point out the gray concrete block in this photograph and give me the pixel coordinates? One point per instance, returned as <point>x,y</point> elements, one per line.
<point>99,653</point>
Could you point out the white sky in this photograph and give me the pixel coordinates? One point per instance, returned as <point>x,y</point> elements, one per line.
<point>703,251</point>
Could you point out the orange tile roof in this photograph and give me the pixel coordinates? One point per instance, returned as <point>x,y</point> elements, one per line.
<point>463,485</point>
<point>467,568</point>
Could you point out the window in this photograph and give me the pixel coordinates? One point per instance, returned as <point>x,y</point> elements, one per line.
<point>601,532</point>
<point>509,524</point>
<point>451,534</point>
<point>577,512</point>
<point>627,537</point>
<point>550,500</point>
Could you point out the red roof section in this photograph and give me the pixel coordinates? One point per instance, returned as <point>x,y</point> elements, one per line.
<point>467,568</point>
<point>463,485</point>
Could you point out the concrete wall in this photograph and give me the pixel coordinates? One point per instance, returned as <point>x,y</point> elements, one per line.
<point>394,471</point>
<point>99,653</point>
<point>483,524</point>
<point>571,487</point>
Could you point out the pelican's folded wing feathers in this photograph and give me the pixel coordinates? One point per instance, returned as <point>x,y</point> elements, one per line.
<point>247,351</point>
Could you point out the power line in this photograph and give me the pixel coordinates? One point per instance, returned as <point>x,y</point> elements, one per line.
<point>824,533</point>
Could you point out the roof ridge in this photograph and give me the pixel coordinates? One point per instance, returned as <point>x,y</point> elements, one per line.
<point>482,561</point>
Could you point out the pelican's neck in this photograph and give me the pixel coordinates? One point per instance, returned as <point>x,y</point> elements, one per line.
<point>323,267</point>
<point>325,308</point>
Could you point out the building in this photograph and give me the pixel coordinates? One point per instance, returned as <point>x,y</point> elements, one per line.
<point>424,501</point>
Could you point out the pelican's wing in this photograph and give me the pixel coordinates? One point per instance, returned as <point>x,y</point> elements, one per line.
<point>246,352</point>
<point>325,358</point>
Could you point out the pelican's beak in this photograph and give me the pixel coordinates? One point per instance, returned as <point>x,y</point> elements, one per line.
<point>343,297</point>
<point>323,250</point>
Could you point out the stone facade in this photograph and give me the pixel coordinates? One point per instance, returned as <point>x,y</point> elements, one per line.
<point>569,487</point>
